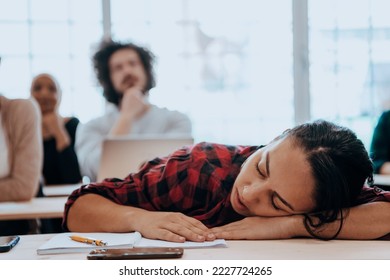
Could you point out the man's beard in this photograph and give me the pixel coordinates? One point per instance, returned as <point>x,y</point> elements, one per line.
<point>129,81</point>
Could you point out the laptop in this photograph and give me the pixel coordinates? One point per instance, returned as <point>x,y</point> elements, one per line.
<point>121,156</point>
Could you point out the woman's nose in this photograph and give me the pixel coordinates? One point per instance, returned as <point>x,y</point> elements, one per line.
<point>252,194</point>
<point>44,93</point>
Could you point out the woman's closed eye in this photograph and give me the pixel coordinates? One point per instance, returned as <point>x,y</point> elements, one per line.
<point>262,175</point>
<point>273,203</point>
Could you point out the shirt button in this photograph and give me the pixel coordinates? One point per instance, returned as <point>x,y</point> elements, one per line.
<point>377,189</point>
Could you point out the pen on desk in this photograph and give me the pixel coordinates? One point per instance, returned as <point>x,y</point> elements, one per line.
<point>88,240</point>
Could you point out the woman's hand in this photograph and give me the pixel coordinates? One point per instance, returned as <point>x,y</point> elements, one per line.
<point>257,228</point>
<point>53,126</point>
<point>53,123</point>
<point>170,226</point>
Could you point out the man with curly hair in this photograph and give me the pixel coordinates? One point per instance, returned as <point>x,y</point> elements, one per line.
<point>125,71</point>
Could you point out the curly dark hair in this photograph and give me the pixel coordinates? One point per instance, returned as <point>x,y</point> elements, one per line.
<point>100,64</point>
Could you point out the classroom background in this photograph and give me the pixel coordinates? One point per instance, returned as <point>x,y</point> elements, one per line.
<point>243,71</point>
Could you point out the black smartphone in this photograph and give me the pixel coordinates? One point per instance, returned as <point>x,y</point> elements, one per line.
<point>135,253</point>
<point>7,242</point>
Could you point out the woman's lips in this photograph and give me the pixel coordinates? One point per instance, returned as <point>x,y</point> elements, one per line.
<point>241,206</point>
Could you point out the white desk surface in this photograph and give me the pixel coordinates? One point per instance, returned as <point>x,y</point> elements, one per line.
<point>45,207</point>
<point>250,250</point>
<point>60,190</point>
<point>383,180</point>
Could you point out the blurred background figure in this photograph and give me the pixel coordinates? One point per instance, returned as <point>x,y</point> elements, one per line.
<point>380,145</point>
<point>60,165</point>
<point>125,71</point>
<point>20,157</point>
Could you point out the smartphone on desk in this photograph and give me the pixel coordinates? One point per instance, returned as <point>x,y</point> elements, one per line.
<point>135,253</point>
<point>8,242</point>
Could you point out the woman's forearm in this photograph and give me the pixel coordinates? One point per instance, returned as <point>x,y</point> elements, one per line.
<point>93,212</point>
<point>366,221</point>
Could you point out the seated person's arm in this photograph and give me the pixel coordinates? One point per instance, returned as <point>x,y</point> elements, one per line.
<point>84,216</point>
<point>133,106</point>
<point>366,221</point>
<point>23,181</point>
<point>88,147</point>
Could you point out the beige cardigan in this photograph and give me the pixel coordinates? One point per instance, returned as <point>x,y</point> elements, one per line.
<point>22,124</point>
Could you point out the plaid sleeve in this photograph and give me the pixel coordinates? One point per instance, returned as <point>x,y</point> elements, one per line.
<point>374,194</point>
<point>158,185</point>
<point>113,189</point>
<point>193,180</point>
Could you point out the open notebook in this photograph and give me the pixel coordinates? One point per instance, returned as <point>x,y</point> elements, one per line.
<point>62,244</point>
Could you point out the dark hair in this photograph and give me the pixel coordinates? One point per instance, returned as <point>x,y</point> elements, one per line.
<point>100,63</point>
<point>340,166</point>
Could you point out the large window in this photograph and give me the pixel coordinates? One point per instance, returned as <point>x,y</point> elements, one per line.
<point>228,64</point>
<point>350,62</point>
<point>219,62</point>
<point>53,37</point>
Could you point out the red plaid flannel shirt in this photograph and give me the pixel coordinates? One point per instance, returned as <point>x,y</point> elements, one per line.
<point>195,181</point>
